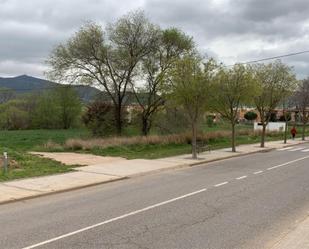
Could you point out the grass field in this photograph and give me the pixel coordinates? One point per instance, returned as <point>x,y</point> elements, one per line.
<point>23,164</point>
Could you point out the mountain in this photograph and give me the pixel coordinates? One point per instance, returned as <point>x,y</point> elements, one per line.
<point>28,84</point>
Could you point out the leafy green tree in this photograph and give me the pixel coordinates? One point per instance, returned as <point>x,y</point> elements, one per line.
<point>301,100</point>
<point>229,92</point>
<point>108,58</point>
<point>68,105</point>
<point>274,82</point>
<point>46,114</point>
<point>156,66</point>
<point>189,88</point>
<point>13,116</point>
<point>6,94</point>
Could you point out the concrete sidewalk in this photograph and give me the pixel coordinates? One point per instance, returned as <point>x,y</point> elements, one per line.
<point>106,169</point>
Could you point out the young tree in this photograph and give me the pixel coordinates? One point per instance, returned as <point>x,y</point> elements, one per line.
<point>189,88</point>
<point>230,90</point>
<point>68,104</point>
<point>155,70</point>
<point>301,100</point>
<point>106,58</point>
<point>274,82</point>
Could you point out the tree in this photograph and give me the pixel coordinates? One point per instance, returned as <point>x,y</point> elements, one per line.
<point>6,94</point>
<point>155,70</point>
<point>106,58</point>
<point>46,113</point>
<point>274,82</point>
<point>229,91</point>
<point>68,104</point>
<point>250,115</point>
<point>301,100</point>
<point>189,87</point>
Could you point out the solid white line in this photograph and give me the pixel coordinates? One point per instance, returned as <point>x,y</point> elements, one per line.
<point>296,149</point>
<point>305,150</point>
<point>221,184</point>
<point>258,172</point>
<point>116,219</point>
<point>286,148</point>
<point>242,177</point>
<point>287,163</point>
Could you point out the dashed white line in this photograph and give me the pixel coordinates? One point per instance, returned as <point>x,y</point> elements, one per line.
<point>287,163</point>
<point>296,149</point>
<point>115,219</point>
<point>241,177</point>
<point>286,148</point>
<point>148,208</point>
<point>307,150</point>
<point>221,184</point>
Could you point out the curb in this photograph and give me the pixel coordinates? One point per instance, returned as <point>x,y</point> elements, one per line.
<point>146,173</point>
<point>62,191</point>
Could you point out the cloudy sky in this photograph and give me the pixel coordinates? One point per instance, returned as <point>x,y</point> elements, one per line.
<point>229,30</point>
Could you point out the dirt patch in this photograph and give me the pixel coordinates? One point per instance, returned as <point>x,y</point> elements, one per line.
<point>76,158</point>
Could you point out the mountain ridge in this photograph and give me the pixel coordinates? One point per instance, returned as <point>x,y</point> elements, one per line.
<point>22,84</point>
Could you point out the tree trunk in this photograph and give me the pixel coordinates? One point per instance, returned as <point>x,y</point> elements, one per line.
<point>304,132</point>
<point>285,131</point>
<point>145,125</point>
<point>233,138</point>
<point>118,119</point>
<point>263,136</point>
<point>194,134</point>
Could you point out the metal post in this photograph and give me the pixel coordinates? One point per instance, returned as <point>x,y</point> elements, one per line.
<point>5,162</point>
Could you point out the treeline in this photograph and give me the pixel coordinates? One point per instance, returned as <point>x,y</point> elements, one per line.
<point>164,70</point>
<point>59,108</point>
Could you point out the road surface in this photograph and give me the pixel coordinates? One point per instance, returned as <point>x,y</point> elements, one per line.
<point>246,202</point>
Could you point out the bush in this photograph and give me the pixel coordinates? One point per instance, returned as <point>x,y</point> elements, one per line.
<point>171,120</point>
<point>100,118</point>
<point>250,115</point>
<point>286,117</point>
<point>210,120</point>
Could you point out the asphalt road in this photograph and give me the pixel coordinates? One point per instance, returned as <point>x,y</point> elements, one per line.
<point>246,202</point>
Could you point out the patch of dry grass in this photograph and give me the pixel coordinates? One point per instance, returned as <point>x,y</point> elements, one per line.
<point>184,138</point>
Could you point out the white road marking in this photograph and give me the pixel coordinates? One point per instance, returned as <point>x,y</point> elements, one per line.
<point>221,184</point>
<point>286,148</point>
<point>242,177</point>
<point>287,163</point>
<point>258,172</point>
<point>115,219</point>
<point>305,150</point>
<point>145,209</point>
<point>296,149</point>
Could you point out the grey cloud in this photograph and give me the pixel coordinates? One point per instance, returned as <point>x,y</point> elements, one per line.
<point>229,30</point>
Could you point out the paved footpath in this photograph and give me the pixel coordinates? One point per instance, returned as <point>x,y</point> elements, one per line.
<point>107,169</point>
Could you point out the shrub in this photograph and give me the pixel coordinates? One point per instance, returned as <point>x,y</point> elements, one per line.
<point>250,115</point>
<point>100,118</point>
<point>286,117</point>
<point>171,120</point>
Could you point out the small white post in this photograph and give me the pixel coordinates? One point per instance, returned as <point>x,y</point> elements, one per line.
<point>5,162</point>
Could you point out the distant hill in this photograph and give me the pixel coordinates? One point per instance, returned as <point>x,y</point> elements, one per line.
<point>28,84</point>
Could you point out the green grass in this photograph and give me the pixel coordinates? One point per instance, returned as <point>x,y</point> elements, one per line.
<point>18,143</point>
<point>25,140</point>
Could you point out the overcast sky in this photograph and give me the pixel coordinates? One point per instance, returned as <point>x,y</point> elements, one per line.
<point>229,30</point>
